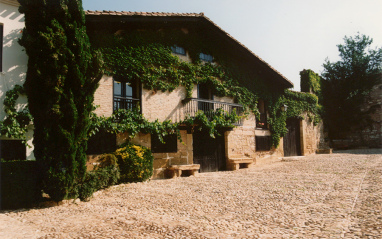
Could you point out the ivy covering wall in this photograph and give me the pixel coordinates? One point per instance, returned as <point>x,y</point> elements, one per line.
<point>146,56</point>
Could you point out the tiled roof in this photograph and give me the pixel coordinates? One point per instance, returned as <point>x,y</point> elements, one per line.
<point>145,14</point>
<point>11,2</point>
<point>165,14</point>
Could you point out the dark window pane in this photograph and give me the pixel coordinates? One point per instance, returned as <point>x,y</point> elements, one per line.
<point>12,150</point>
<point>102,142</point>
<point>170,145</point>
<point>263,143</point>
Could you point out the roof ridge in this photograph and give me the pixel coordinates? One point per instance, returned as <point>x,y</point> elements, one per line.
<point>130,13</point>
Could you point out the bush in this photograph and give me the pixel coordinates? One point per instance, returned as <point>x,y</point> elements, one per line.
<point>19,184</point>
<point>135,163</point>
<point>104,175</point>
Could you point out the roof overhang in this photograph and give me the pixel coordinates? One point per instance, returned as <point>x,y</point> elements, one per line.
<point>11,2</point>
<point>144,17</point>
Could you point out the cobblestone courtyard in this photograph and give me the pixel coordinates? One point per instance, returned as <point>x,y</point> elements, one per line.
<point>319,196</point>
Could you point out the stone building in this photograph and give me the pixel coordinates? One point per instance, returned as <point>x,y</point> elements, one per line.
<point>246,144</point>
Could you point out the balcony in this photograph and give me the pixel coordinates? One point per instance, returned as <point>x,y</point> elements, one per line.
<point>209,107</point>
<point>125,103</point>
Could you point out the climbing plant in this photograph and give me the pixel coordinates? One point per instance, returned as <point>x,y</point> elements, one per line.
<point>146,56</point>
<point>16,123</point>
<point>62,76</point>
<point>311,82</point>
<point>133,122</point>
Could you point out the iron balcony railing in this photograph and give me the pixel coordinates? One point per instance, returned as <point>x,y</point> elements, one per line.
<point>209,107</point>
<point>125,103</point>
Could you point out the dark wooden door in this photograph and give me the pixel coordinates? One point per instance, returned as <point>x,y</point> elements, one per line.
<point>209,152</point>
<point>292,144</point>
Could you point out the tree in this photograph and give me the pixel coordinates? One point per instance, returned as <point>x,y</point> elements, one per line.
<point>62,76</point>
<point>347,82</point>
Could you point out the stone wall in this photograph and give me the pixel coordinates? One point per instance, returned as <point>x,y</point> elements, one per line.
<point>184,155</point>
<point>103,97</point>
<point>312,136</point>
<point>163,105</point>
<point>370,136</point>
<point>240,142</point>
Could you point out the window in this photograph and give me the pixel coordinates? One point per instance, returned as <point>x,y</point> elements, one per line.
<point>1,46</point>
<point>178,50</point>
<point>205,57</point>
<point>262,123</point>
<point>170,145</point>
<point>126,94</point>
<point>102,142</point>
<point>263,143</point>
<point>205,92</point>
<point>12,150</point>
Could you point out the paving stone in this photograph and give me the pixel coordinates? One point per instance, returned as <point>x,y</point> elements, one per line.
<point>319,196</point>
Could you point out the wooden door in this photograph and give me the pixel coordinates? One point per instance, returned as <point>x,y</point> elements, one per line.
<point>292,144</point>
<point>209,152</point>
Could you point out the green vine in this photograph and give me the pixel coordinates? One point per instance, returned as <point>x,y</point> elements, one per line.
<point>311,82</point>
<point>146,56</point>
<point>133,122</point>
<point>16,123</point>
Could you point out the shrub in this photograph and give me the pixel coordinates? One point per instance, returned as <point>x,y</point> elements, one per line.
<point>104,175</point>
<point>135,163</point>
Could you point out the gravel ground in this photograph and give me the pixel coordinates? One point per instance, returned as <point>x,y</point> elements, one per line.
<point>319,196</point>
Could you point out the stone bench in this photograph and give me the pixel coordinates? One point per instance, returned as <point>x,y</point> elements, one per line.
<point>324,151</point>
<point>236,163</point>
<point>177,170</point>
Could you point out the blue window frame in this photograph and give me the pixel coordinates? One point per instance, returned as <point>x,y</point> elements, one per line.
<point>205,57</point>
<point>178,50</point>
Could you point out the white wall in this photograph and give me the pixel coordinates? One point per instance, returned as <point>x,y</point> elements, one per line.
<point>14,58</point>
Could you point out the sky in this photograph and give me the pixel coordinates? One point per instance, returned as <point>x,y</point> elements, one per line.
<point>290,35</point>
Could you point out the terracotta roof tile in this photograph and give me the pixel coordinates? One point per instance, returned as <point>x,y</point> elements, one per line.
<point>167,14</point>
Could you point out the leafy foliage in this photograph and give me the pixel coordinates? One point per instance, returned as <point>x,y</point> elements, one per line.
<point>135,163</point>
<point>146,56</point>
<point>62,76</point>
<point>311,82</point>
<point>15,125</point>
<point>133,122</point>
<point>347,82</point>
<point>104,175</point>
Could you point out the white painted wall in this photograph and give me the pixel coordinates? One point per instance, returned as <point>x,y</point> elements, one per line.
<point>14,58</point>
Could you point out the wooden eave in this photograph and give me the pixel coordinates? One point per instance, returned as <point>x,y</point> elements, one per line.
<point>145,20</point>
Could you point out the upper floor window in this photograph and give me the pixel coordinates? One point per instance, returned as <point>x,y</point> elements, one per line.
<point>126,94</point>
<point>262,123</point>
<point>205,57</point>
<point>205,92</point>
<point>178,50</point>
<point>1,46</point>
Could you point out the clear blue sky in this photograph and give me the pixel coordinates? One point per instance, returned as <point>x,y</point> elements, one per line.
<point>290,35</point>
